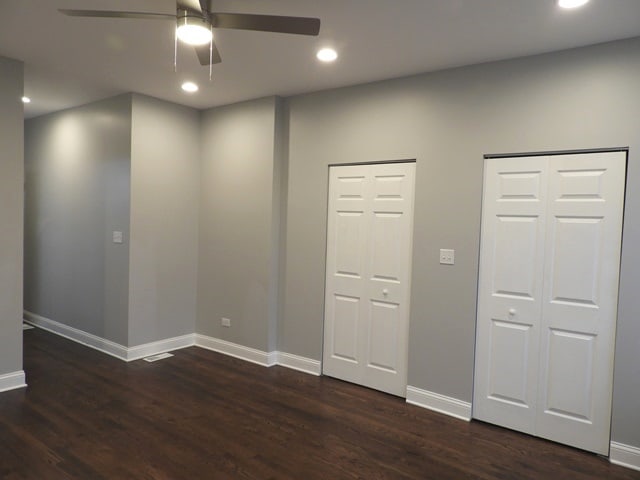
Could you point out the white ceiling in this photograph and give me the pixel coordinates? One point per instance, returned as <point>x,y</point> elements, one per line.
<point>71,61</point>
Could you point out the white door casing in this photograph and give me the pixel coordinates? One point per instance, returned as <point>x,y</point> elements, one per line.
<point>369,239</point>
<point>566,332</point>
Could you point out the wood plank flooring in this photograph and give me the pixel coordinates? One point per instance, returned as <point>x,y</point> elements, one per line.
<point>202,415</point>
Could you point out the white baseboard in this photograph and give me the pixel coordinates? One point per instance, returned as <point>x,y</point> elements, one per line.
<point>161,346</point>
<point>625,455</point>
<point>79,336</point>
<point>103,345</point>
<point>11,381</point>
<point>266,359</point>
<point>302,364</point>
<point>439,403</point>
<point>128,354</point>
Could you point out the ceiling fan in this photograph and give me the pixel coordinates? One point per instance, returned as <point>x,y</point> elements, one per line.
<point>195,23</point>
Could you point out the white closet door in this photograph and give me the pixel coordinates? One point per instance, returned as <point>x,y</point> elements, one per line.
<point>586,197</point>
<point>549,266</point>
<point>369,238</point>
<point>510,291</point>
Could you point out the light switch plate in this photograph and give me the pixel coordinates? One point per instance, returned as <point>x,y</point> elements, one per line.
<point>225,322</point>
<point>447,256</point>
<point>117,237</point>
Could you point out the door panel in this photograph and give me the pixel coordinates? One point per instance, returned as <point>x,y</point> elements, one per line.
<point>369,236</point>
<point>586,198</point>
<point>509,362</point>
<point>515,254</point>
<point>345,331</point>
<point>383,340</point>
<point>570,362</point>
<point>387,246</point>
<point>576,260</point>
<point>510,289</point>
<point>349,235</point>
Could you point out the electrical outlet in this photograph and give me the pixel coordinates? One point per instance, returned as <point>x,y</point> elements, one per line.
<point>225,322</point>
<point>447,257</point>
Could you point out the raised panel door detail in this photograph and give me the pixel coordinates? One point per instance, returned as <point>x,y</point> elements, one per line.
<point>509,362</point>
<point>387,246</point>
<point>383,340</point>
<point>389,187</point>
<point>576,251</point>
<point>350,187</point>
<point>580,184</point>
<point>570,362</point>
<point>519,185</point>
<point>515,255</point>
<point>348,238</point>
<point>345,330</point>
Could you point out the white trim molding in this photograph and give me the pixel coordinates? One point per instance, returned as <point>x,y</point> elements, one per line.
<point>266,359</point>
<point>127,354</point>
<point>161,346</point>
<point>78,336</point>
<point>439,403</point>
<point>11,381</point>
<point>625,455</point>
<point>302,364</point>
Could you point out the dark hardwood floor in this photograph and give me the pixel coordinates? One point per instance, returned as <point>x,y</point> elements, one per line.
<point>202,415</point>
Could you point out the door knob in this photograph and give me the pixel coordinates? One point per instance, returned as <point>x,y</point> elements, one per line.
<point>512,311</point>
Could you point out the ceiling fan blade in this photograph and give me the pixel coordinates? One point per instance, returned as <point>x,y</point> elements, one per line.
<point>203,54</point>
<point>116,14</point>
<point>266,23</point>
<point>193,5</point>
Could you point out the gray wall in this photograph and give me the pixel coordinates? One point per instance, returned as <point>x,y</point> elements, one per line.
<point>77,166</point>
<point>447,121</point>
<point>239,224</point>
<point>263,217</point>
<point>11,201</point>
<point>165,154</point>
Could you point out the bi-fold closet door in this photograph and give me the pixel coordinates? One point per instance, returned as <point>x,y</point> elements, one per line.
<point>548,292</point>
<point>369,238</point>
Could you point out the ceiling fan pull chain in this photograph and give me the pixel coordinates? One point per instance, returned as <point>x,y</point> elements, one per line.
<point>175,52</point>
<point>211,53</point>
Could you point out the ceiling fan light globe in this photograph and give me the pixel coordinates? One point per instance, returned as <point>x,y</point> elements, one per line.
<point>194,31</point>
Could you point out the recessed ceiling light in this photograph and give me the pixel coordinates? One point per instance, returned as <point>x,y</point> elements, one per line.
<point>26,100</point>
<point>571,3</point>
<point>189,87</point>
<point>194,30</point>
<point>327,55</point>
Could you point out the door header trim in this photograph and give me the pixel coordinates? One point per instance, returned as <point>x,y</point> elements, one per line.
<point>373,162</point>
<point>556,152</point>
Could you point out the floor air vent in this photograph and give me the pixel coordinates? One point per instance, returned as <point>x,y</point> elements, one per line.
<point>160,356</point>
